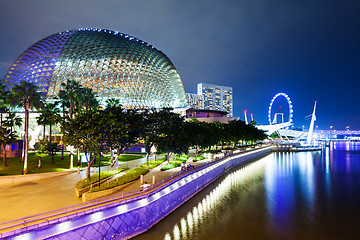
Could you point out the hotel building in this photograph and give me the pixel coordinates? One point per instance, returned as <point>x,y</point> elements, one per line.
<point>216,97</point>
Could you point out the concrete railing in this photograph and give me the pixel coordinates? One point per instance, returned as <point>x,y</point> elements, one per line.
<point>125,215</point>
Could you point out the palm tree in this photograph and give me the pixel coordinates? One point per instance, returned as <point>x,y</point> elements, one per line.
<point>41,120</point>
<point>54,117</point>
<point>6,137</point>
<point>3,102</point>
<point>26,95</point>
<point>12,121</point>
<point>49,115</point>
<point>69,94</point>
<point>88,99</point>
<point>63,96</point>
<point>112,103</point>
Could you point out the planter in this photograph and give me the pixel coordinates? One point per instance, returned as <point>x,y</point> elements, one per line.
<point>91,196</point>
<point>80,192</point>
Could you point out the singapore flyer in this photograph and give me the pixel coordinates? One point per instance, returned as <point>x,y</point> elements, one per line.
<point>276,112</point>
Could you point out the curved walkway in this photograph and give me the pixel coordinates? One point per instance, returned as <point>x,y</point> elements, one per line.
<point>37,196</point>
<point>89,211</point>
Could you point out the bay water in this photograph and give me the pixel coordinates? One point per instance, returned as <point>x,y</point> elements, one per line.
<point>302,195</point>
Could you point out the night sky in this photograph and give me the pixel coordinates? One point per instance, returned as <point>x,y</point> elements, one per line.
<point>308,49</point>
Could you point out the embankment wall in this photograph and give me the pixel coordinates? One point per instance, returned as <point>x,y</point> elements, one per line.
<point>131,217</point>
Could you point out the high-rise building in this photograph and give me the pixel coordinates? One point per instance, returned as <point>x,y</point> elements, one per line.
<point>195,101</point>
<point>216,97</point>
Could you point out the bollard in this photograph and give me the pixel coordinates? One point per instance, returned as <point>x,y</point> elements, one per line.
<point>153,182</point>
<point>142,179</point>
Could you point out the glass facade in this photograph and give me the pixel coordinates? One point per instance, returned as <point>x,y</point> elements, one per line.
<point>113,64</point>
<point>195,101</point>
<point>216,97</point>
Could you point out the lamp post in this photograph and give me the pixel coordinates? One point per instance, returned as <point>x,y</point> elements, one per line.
<point>330,132</point>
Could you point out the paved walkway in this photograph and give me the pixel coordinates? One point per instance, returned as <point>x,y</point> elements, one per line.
<point>25,199</point>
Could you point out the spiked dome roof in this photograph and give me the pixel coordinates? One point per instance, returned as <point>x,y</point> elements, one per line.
<point>113,64</point>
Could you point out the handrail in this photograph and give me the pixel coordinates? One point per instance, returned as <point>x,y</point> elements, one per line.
<point>113,200</point>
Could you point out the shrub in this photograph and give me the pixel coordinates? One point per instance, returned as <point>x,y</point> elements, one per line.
<point>199,158</point>
<point>95,177</point>
<point>169,166</point>
<point>51,148</point>
<point>37,146</point>
<point>172,165</point>
<point>184,157</point>
<point>153,164</point>
<point>212,151</point>
<point>130,176</point>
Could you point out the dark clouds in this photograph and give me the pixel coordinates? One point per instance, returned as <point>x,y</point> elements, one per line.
<point>307,49</point>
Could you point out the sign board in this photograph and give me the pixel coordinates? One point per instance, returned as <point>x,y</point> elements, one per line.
<point>83,158</point>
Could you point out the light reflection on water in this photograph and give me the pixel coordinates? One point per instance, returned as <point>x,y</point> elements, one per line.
<point>282,189</point>
<point>305,195</point>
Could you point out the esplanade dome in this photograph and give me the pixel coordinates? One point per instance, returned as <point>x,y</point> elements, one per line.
<point>113,64</point>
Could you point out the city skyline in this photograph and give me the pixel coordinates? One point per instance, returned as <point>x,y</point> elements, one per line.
<point>308,50</point>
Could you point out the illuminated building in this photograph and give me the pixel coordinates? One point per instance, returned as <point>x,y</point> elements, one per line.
<point>113,64</point>
<point>216,97</point>
<point>195,100</point>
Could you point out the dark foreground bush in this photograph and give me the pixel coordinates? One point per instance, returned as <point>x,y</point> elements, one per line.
<point>130,176</point>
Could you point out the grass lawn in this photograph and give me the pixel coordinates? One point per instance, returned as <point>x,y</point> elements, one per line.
<point>128,157</point>
<point>199,158</point>
<point>130,176</point>
<point>153,164</point>
<point>171,164</point>
<point>15,167</point>
<point>105,159</point>
<point>95,177</point>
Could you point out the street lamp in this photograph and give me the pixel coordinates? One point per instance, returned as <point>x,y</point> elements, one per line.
<point>330,132</point>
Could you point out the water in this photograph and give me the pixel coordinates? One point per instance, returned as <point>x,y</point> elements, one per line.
<point>305,195</point>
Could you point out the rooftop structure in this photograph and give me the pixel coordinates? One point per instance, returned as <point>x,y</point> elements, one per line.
<point>205,115</point>
<point>113,64</point>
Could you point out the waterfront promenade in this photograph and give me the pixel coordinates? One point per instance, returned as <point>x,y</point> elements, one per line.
<point>134,212</point>
<point>43,195</point>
